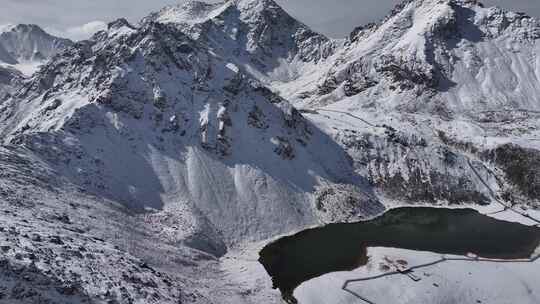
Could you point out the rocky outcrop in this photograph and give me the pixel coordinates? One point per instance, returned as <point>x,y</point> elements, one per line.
<point>257,34</point>
<point>521,167</point>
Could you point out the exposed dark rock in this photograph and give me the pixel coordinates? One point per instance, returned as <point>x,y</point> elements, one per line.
<point>284,148</point>
<point>522,167</point>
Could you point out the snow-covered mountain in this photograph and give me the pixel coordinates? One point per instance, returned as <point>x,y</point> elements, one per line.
<point>152,118</point>
<point>435,88</point>
<point>179,145</point>
<point>27,46</point>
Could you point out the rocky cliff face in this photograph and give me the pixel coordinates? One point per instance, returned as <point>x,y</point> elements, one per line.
<point>9,77</point>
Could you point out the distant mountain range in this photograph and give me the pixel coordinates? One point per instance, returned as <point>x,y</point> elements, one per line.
<point>25,46</point>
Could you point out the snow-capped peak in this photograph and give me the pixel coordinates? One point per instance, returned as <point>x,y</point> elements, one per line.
<point>258,5</point>
<point>195,12</point>
<point>26,46</point>
<point>7,27</point>
<point>155,93</point>
<point>190,12</point>
<point>451,47</point>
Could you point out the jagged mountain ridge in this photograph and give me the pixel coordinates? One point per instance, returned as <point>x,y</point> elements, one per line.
<point>26,46</point>
<point>181,146</point>
<point>455,56</point>
<point>258,36</point>
<point>188,118</point>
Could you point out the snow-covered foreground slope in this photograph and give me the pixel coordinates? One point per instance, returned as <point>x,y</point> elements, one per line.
<point>174,148</point>
<point>26,46</point>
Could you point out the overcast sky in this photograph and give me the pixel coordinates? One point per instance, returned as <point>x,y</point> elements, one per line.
<point>78,18</point>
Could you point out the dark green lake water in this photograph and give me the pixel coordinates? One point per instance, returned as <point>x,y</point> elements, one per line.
<point>292,260</point>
